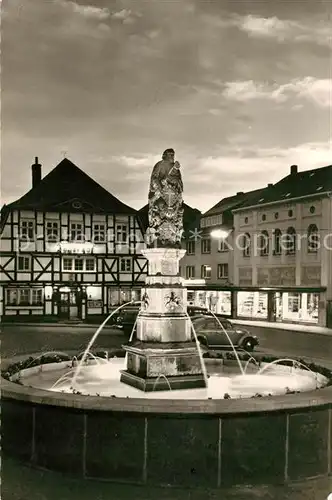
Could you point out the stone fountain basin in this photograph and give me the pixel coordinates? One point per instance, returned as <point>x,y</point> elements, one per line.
<point>205,443</point>
<point>103,379</point>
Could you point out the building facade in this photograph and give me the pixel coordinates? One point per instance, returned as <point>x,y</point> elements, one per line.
<point>69,249</point>
<point>208,265</point>
<point>283,255</point>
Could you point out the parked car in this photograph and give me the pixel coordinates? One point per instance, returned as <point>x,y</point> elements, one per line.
<point>211,335</point>
<point>126,317</point>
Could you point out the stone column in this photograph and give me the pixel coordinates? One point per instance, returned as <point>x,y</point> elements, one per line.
<point>164,354</point>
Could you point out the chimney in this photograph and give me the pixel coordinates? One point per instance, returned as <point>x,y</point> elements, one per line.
<point>293,170</point>
<point>239,192</point>
<point>270,185</point>
<point>36,172</point>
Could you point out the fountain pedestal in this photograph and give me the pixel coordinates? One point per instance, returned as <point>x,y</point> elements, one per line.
<point>163,355</point>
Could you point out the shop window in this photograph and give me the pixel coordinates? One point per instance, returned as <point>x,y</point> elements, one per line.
<point>222,271</point>
<point>277,247</point>
<point>190,272</point>
<point>24,263</point>
<point>125,265</point>
<point>24,296</point>
<point>119,296</point>
<point>264,243</point>
<point>52,231</point>
<point>252,304</point>
<point>313,238</point>
<point>293,302</point>
<point>12,296</point>
<point>206,272</point>
<point>36,296</point>
<point>190,247</point>
<point>297,307</point>
<point>246,245</point>
<point>206,245</point>
<point>290,241</point>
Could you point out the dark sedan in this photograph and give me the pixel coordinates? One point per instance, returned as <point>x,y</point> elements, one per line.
<point>211,334</point>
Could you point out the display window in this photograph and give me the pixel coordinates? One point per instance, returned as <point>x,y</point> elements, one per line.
<point>252,305</point>
<point>296,306</point>
<point>217,301</point>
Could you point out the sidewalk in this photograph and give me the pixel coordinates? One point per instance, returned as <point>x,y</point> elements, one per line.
<point>62,324</point>
<point>294,327</point>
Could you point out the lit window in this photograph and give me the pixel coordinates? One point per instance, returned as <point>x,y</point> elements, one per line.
<point>12,296</point>
<point>79,264</point>
<point>36,296</point>
<point>24,296</point>
<point>206,272</point>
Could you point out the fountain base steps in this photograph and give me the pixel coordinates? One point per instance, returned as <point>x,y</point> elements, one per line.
<point>148,364</point>
<point>151,384</point>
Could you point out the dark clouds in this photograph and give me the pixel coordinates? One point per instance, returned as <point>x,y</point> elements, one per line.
<point>109,81</point>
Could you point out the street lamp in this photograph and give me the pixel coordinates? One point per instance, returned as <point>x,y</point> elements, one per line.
<point>220,234</point>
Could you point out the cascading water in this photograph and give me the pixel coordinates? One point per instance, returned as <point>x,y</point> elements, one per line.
<point>94,337</point>
<point>230,341</point>
<point>199,349</point>
<point>157,380</point>
<point>277,361</point>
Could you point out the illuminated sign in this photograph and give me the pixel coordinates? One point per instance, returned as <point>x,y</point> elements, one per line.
<point>77,247</point>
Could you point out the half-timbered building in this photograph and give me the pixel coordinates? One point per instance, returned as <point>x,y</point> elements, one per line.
<point>69,249</point>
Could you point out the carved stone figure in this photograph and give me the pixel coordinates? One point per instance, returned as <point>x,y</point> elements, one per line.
<point>165,203</point>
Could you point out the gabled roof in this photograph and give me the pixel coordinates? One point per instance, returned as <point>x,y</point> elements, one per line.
<point>68,189</point>
<point>295,185</point>
<point>191,217</point>
<point>232,202</point>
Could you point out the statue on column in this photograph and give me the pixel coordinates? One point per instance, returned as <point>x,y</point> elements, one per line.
<point>165,203</point>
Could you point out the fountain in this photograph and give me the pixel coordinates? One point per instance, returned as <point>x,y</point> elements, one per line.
<point>162,414</point>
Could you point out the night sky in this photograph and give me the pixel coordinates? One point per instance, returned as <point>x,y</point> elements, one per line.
<point>240,89</point>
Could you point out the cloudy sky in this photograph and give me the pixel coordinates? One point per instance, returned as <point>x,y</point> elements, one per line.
<point>240,89</point>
